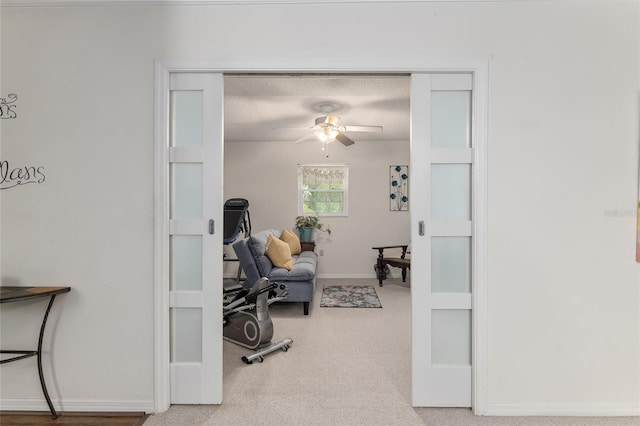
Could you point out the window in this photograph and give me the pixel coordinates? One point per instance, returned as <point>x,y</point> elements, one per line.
<point>323,189</point>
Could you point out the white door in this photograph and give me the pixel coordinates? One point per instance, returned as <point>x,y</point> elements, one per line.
<point>441,220</point>
<point>195,228</point>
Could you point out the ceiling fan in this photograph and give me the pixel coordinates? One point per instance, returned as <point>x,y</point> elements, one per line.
<point>327,129</point>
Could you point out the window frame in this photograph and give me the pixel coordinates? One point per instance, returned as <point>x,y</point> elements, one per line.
<point>345,191</point>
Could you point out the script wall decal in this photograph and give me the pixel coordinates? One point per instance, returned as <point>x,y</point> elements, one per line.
<point>8,106</point>
<point>10,177</point>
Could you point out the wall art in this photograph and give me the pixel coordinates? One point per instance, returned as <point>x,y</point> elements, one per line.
<point>398,188</point>
<point>11,177</point>
<point>8,106</point>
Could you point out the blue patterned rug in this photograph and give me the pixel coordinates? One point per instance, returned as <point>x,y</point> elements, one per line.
<point>349,296</point>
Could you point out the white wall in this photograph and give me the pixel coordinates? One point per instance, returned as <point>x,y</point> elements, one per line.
<point>265,173</point>
<point>563,297</point>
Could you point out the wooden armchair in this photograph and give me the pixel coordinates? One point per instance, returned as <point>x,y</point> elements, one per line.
<point>403,261</point>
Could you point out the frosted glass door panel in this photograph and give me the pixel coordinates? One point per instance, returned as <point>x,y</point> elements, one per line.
<point>186,335</point>
<point>186,191</point>
<point>186,106</point>
<point>442,249</point>
<point>451,336</point>
<point>194,176</point>
<point>186,263</point>
<point>451,192</point>
<point>451,265</point>
<point>451,119</point>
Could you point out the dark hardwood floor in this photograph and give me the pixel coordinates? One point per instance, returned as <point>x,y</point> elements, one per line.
<point>84,419</point>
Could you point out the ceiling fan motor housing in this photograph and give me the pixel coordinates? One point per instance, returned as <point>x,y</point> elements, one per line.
<point>331,120</point>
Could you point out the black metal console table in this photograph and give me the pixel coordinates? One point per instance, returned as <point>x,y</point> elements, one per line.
<point>16,294</point>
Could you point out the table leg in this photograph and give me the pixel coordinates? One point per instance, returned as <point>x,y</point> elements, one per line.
<point>380,271</point>
<point>54,414</point>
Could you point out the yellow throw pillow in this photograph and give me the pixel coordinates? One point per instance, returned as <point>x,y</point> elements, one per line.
<point>279,253</point>
<point>292,239</point>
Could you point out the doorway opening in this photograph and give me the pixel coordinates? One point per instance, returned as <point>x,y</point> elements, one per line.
<point>163,223</point>
<point>264,117</point>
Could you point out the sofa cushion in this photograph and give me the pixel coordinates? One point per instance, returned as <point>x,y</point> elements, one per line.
<point>307,257</point>
<point>279,253</point>
<point>304,269</point>
<point>264,266</point>
<point>258,242</point>
<point>256,245</point>
<point>292,239</point>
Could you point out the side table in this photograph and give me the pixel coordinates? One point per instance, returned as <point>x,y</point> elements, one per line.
<point>16,294</point>
<point>308,245</point>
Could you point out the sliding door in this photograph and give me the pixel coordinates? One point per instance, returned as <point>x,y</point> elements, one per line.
<point>194,170</point>
<point>442,240</point>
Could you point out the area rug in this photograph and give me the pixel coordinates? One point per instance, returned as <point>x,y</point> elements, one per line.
<point>349,296</point>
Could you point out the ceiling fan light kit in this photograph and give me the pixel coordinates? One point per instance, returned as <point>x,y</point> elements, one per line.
<point>326,134</point>
<point>327,130</point>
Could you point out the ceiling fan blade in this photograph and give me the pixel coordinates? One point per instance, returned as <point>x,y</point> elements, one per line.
<point>345,140</point>
<point>305,137</point>
<point>321,120</point>
<point>371,129</point>
<point>292,128</point>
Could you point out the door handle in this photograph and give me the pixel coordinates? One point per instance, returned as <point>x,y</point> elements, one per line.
<point>421,228</point>
<point>212,226</point>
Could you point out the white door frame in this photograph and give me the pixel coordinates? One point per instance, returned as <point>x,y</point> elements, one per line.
<point>479,178</point>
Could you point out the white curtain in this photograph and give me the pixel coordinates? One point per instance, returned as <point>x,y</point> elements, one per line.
<point>314,175</point>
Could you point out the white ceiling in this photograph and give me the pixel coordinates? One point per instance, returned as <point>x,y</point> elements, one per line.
<point>267,107</point>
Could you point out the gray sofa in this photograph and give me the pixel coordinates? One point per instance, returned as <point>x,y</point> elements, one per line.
<point>301,280</point>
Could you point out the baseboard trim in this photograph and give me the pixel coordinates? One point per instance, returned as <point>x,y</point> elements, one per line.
<point>371,276</point>
<point>84,406</point>
<point>360,276</point>
<point>574,410</point>
<point>367,276</point>
<point>346,276</point>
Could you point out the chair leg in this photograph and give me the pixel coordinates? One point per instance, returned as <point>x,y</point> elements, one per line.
<point>404,274</point>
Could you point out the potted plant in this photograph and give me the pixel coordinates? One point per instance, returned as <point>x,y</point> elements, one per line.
<point>306,225</point>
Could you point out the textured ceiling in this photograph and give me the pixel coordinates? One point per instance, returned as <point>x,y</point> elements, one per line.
<point>284,107</point>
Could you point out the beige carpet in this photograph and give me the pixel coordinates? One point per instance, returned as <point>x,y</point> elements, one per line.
<point>345,367</point>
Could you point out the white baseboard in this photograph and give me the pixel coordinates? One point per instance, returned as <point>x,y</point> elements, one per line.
<point>347,276</point>
<point>577,410</point>
<point>371,276</point>
<point>362,275</point>
<point>366,275</point>
<point>97,406</point>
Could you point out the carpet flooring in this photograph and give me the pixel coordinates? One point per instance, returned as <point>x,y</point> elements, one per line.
<point>346,367</point>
